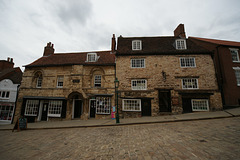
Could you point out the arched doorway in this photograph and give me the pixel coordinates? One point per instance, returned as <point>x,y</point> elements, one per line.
<point>77,104</point>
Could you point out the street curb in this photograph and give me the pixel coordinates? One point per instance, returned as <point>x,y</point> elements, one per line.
<point>128,124</point>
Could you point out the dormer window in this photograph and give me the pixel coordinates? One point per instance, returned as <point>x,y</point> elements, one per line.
<point>137,45</point>
<point>181,44</point>
<point>91,57</point>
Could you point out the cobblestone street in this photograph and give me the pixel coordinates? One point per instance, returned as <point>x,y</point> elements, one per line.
<point>206,139</point>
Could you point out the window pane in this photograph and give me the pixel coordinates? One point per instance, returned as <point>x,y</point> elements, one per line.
<point>97,80</point>
<point>189,83</point>
<point>237,74</point>
<point>132,105</point>
<point>31,108</point>
<point>200,105</point>
<point>139,84</point>
<point>103,105</point>
<point>55,108</point>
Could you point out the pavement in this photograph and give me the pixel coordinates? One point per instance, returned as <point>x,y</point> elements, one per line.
<point>228,113</point>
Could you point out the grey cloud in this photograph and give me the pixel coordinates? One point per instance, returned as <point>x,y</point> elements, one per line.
<point>75,10</point>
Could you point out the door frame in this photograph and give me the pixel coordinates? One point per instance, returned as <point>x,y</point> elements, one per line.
<point>148,100</point>
<point>169,98</point>
<point>73,107</point>
<point>90,107</point>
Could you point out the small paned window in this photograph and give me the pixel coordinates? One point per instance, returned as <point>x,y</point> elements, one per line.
<point>131,104</point>
<point>140,84</point>
<point>103,105</point>
<point>39,82</point>
<point>4,94</point>
<point>181,44</point>
<point>137,45</point>
<point>97,80</point>
<point>200,105</point>
<point>91,57</point>
<point>55,108</point>
<point>31,108</point>
<point>237,74</point>
<point>138,63</point>
<point>187,62</point>
<point>189,83</point>
<point>59,81</point>
<point>235,56</point>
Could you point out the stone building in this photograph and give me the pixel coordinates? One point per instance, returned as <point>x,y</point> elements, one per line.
<point>165,75</point>
<point>227,62</point>
<point>64,86</point>
<point>10,80</point>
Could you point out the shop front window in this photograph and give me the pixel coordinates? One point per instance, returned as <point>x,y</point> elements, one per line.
<point>103,105</point>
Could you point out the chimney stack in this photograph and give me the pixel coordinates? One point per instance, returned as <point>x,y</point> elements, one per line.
<point>6,64</point>
<point>180,31</point>
<point>113,48</point>
<point>48,50</point>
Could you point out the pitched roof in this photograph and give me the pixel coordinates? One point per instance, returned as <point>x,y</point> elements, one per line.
<point>59,59</point>
<point>14,74</point>
<point>157,45</point>
<point>219,42</point>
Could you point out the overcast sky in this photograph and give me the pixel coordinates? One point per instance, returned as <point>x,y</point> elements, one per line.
<point>26,26</point>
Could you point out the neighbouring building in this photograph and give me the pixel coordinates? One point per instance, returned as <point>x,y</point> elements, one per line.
<point>227,62</point>
<point>165,75</point>
<point>64,86</point>
<point>10,80</point>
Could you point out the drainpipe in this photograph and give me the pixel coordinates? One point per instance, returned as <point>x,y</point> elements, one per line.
<point>221,75</point>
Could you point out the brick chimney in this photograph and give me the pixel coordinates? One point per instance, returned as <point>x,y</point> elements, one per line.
<point>48,50</point>
<point>6,64</point>
<point>180,31</point>
<point>113,48</point>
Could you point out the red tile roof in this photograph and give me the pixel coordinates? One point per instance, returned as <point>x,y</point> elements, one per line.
<point>58,59</point>
<point>220,42</point>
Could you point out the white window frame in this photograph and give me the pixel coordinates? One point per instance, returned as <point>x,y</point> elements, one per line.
<point>138,63</point>
<point>103,105</point>
<point>91,57</point>
<point>190,80</point>
<point>60,80</point>
<point>136,45</point>
<point>130,106</point>
<point>234,51</point>
<point>187,62</point>
<point>4,94</point>
<point>181,44</point>
<point>197,104</point>
<point>237,75</point>
<point>31,108</point>
<point>135,82</point>
<point>97,80</point>
<point>39,82</point>
<point>55,108</point>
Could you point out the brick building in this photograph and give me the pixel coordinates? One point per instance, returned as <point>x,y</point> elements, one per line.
<point>165,75</point>
<point>10,80</point>
<point>227,62</point>
<point>61,86</point>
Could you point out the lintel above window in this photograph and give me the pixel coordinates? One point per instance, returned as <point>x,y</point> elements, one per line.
<point>136,45</point>
<point>181,44</point>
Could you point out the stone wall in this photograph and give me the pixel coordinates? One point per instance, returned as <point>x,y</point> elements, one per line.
<point>77,78</point>
<point>164,72</point>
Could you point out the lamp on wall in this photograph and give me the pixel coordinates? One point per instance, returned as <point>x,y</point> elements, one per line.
<point>116,95</point>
